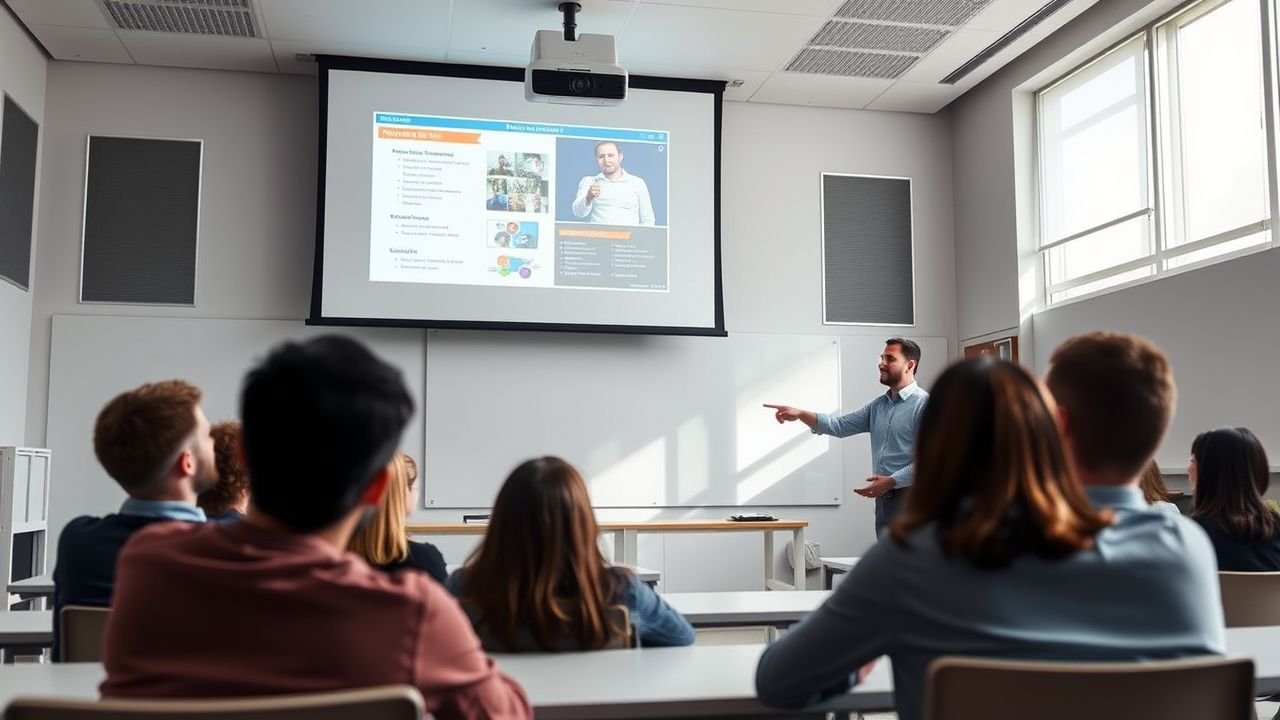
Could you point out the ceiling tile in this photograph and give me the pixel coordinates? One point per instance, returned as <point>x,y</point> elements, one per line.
<point>83,44</point>
<point>675,35</point>
<point>507,27</point>
<point>816,8</point>
<point>820,90</point>
<point>386,27</point>
<point>907,96</point>
<point>69,13</point>
<point>951,54</point>
<point>217,53</point>
<point>1003,15</point>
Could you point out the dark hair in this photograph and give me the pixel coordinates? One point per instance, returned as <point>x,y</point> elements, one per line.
<point>233,482</point>
<point>910,349</point>
<point>1119,395</point>
<point>615,145</point>
<point>539,565</point>
<point>320,417</point>
<point>138,434</point>
<point>990,470</point>
<point>1232,474</point>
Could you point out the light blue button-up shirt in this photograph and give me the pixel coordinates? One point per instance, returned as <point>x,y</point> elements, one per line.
<point>892,420</point>
<point>168,509</point>
<point>1147,589</point>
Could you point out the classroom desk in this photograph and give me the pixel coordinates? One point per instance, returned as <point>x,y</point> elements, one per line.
<point>624,539</point>
<point>26,629</point>
<point>39,586</point>
<point>749,607</point>
<point>833,566</point>
<point>697,681</point>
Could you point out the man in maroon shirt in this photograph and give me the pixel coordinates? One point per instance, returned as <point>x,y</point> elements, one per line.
<point>274,604</point>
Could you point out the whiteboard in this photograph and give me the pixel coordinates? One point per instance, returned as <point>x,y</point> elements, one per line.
<point>650,421</point>
<point>95,357</point>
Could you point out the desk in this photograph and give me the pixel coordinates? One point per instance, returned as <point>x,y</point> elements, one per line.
<point>624,539</point>
<point>833,566</point>
<point>39,586</point>
<point>750,607</point>
<point>26,629</point>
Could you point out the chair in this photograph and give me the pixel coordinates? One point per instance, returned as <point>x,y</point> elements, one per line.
<point>81,629</point>
<point>391,702</point>
<point>1250,599</point>
<point>1208,688</point>
<point>525,642</point>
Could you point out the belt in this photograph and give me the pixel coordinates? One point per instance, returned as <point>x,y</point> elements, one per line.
<point>893,493</point>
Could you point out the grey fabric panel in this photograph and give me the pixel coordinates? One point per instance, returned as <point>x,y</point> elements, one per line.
<point>17,192</point>
<point>142,202</point>
<point>866,224</point>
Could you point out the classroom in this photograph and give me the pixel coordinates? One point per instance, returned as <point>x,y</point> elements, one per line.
<point>627,283</point>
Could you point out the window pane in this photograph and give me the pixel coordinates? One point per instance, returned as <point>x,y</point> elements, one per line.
<point>1094,159</point>
<point>1098,251</point>
<point>1195,256</point>
<point>1124,277</point>
<point>1224,144</point>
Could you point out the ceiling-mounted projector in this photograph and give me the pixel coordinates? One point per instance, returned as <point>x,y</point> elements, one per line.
<point>580,70</point>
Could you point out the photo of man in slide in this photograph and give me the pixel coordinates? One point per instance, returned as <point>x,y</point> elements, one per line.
<point>613,196</point>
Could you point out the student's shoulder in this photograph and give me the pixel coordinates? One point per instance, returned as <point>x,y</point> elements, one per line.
<point>164,535</point>
<point>1151,537</point>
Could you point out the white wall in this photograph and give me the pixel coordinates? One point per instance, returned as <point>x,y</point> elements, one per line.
<point>257,225</point>
<point>22,77</point>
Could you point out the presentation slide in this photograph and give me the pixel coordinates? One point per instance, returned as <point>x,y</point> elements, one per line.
<point>448,200</point>
<point>466,201</point>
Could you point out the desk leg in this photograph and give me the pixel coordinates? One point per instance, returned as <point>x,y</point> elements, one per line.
<point>631,547</point>
<point>768,559</point>
<point>619,547</point>
<point>797,555</point>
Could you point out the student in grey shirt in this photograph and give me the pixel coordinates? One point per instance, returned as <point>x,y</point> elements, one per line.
<point>998,553</point>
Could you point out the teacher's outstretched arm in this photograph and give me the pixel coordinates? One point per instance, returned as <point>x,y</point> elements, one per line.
<point>786,413</point>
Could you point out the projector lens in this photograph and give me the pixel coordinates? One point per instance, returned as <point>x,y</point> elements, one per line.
<point>580,84</point>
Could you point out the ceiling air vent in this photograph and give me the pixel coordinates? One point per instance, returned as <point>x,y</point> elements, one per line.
<point>851,63</point>
<point>1005,40</point>
<point>865,36</point>
<point>951,13</point>
<point>226,18</point>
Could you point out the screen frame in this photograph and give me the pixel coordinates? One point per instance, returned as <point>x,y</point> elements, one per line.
<point>328,63</point>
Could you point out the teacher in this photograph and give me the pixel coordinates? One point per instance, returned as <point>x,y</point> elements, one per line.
<point>891,419</point>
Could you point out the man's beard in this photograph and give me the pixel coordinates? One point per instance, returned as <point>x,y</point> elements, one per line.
<point>890,379</point>
<point>206,477</point>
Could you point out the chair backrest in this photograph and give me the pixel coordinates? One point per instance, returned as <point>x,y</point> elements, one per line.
<point>392,702</point>
<point>617,615</point>
<point>1210,688</point>
<point>1250,599</point>
<point>81,629</point>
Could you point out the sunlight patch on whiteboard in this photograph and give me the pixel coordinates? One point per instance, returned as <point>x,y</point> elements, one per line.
<point>809,383</point>
<point>785,465</point>
<point>693,460</point>
<point>632,480</point>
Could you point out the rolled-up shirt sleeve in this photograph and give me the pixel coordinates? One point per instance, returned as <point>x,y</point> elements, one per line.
<point>858,421</point>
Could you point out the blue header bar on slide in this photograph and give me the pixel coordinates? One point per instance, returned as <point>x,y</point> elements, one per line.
<point>595,133</point>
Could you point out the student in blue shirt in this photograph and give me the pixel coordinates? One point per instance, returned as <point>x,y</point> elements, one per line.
<point>539,582</point>
<point>891,419</point>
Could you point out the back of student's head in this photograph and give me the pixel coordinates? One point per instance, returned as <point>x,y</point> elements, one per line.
<point>990,470</point>
<point>320,419</point>
<point>540,565</point>
<point>1119,396</point>
<point>383,540</point>
<point>233,481</point>
<point>1231,476</point>
<point>1152,484</point>
<point>139,433</point>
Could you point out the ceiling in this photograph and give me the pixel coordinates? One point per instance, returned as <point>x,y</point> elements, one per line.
<point>896,50</point>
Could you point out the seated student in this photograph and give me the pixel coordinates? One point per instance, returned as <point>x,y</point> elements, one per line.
<point>383,541</point>
<point>228,500</point>
<point>1154,490</point>
<point>321,419</point>
<point>538,580</point>
<point>154,441</point>
<point>998,554</point>
<point>1229,474</point>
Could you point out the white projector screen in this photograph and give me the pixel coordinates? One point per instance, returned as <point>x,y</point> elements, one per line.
<point>447,200</point>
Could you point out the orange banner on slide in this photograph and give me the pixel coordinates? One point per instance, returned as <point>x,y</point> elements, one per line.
<point>599,234</point>
<point>449,136</point>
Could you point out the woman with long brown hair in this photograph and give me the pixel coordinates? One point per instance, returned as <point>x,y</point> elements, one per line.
<point>383,541</point>
<point>538,581</point>
<point>998,553</point>
<point>1154,491</point>
<point>1229,474</point>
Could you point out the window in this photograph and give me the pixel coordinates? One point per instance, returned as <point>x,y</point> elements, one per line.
<point>1154,156</point>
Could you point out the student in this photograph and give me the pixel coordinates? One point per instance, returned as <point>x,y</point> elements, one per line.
<point>1154,490</point>
<point>154,441</point>
<point>998,554</point>
<point>228,500</point>
<point>538,580</point>
<point>383,541</point>
<point>1229,473</point>
<point>321,420</point>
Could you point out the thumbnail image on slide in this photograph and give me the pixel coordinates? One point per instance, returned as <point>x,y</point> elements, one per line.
<point>611,182</point>
<point>511,234</point>
<point>516,194</point>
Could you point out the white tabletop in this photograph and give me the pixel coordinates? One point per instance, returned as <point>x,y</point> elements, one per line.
<point>644,574</point>
<point>26,627</point>
<point>840,564</point>
<point>38,585</point>
<point>746,607</point>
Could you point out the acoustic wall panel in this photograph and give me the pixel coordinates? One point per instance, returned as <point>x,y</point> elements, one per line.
<point>141,220</point>
<point>19,140</point>
<point>868,274</point>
